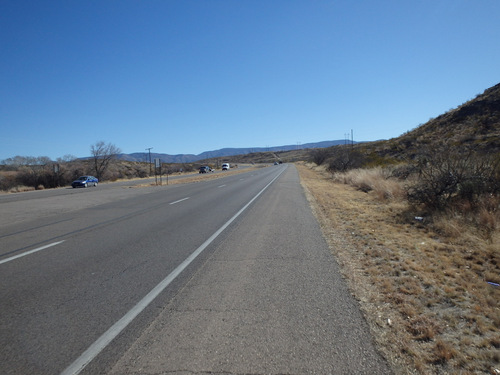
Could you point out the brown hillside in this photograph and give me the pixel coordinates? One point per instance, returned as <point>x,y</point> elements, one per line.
<point>475,123</point>
<point>418,240</point>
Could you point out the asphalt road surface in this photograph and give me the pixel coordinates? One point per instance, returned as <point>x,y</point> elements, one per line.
<point>227,276</point>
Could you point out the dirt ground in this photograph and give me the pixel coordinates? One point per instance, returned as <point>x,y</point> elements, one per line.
<point>425,297</point>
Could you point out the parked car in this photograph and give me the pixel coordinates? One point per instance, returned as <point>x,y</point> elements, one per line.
<point>85,181</point>
<point>225,166</point>
<point>205,169</point>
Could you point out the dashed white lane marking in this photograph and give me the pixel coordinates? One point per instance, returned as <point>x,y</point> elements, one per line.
<point>180,200</point>
<point>103,341</point>
<point>30,252</point>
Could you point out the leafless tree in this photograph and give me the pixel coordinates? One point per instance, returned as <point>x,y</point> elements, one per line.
<point>102,155</point>
<point>33,170</point>
<point>450,175</point>
<point>66,158</point>
<point>319,155</point>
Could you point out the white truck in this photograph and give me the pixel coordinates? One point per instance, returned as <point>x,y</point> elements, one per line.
<point>225,166</point>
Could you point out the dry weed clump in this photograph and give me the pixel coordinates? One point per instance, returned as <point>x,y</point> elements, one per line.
<point>21,189</point>
<point>377,180</point>
<point>483,217</point>
<point>427,286</point>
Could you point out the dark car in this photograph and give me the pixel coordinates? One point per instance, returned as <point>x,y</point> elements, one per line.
<point>205,169</point>
<point>85,181</point>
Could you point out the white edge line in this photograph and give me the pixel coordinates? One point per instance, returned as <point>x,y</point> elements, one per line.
<point>180,200</point>
<point>30,252</point>
<point>88,355</point>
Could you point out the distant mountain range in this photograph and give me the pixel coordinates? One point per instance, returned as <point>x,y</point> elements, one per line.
<point>223,152</point>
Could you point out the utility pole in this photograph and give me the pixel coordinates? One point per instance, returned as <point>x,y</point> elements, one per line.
<point>149,149</point>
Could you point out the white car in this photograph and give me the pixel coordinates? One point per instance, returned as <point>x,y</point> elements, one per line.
<point>225,166</point>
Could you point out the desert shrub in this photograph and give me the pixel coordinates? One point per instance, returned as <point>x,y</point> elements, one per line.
<point>7,181</point>
<point>344,159</point>
<point>319,155</point>
<point>188,167</point>
<point>403,171</point>
<point>28,177</point>
<point>141,173</point>
<point>41,179</point>
<point>447,177</point>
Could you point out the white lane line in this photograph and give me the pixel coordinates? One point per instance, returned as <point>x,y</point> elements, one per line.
<point>221,186</point>
<point>30,252</point>
<point>180,200</point>
<point>103,341</point>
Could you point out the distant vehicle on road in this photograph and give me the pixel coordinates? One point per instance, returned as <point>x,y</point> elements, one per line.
<point>205,169</point>
<point>225,166</point>
<point>85,181</point>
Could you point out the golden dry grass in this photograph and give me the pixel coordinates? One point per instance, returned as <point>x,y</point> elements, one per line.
<point>423,287</point>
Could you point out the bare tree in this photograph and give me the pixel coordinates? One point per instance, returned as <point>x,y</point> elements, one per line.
<point>102,155</point>
<point>319,155</point>
<point>33,170</point>
<point>450,176</point>
<point>67,158</point>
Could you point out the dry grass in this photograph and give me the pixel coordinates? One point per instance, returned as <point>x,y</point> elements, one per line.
<point>11,176</point>
<point>423,285</point>
<point>376,180</point>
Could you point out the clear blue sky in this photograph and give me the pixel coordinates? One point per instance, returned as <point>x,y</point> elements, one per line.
<point>191,76</point>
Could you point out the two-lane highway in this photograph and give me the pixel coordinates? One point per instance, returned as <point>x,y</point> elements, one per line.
<point>66,279</point>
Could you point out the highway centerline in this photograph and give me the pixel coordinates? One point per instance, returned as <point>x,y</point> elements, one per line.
<point>30,252</point>
<point>102,342</point>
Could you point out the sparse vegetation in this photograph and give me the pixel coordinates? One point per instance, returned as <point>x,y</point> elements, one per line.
<point>21,177</point>
<point>25,173</point>
<point>421,281</point>
<point>415,226</point>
